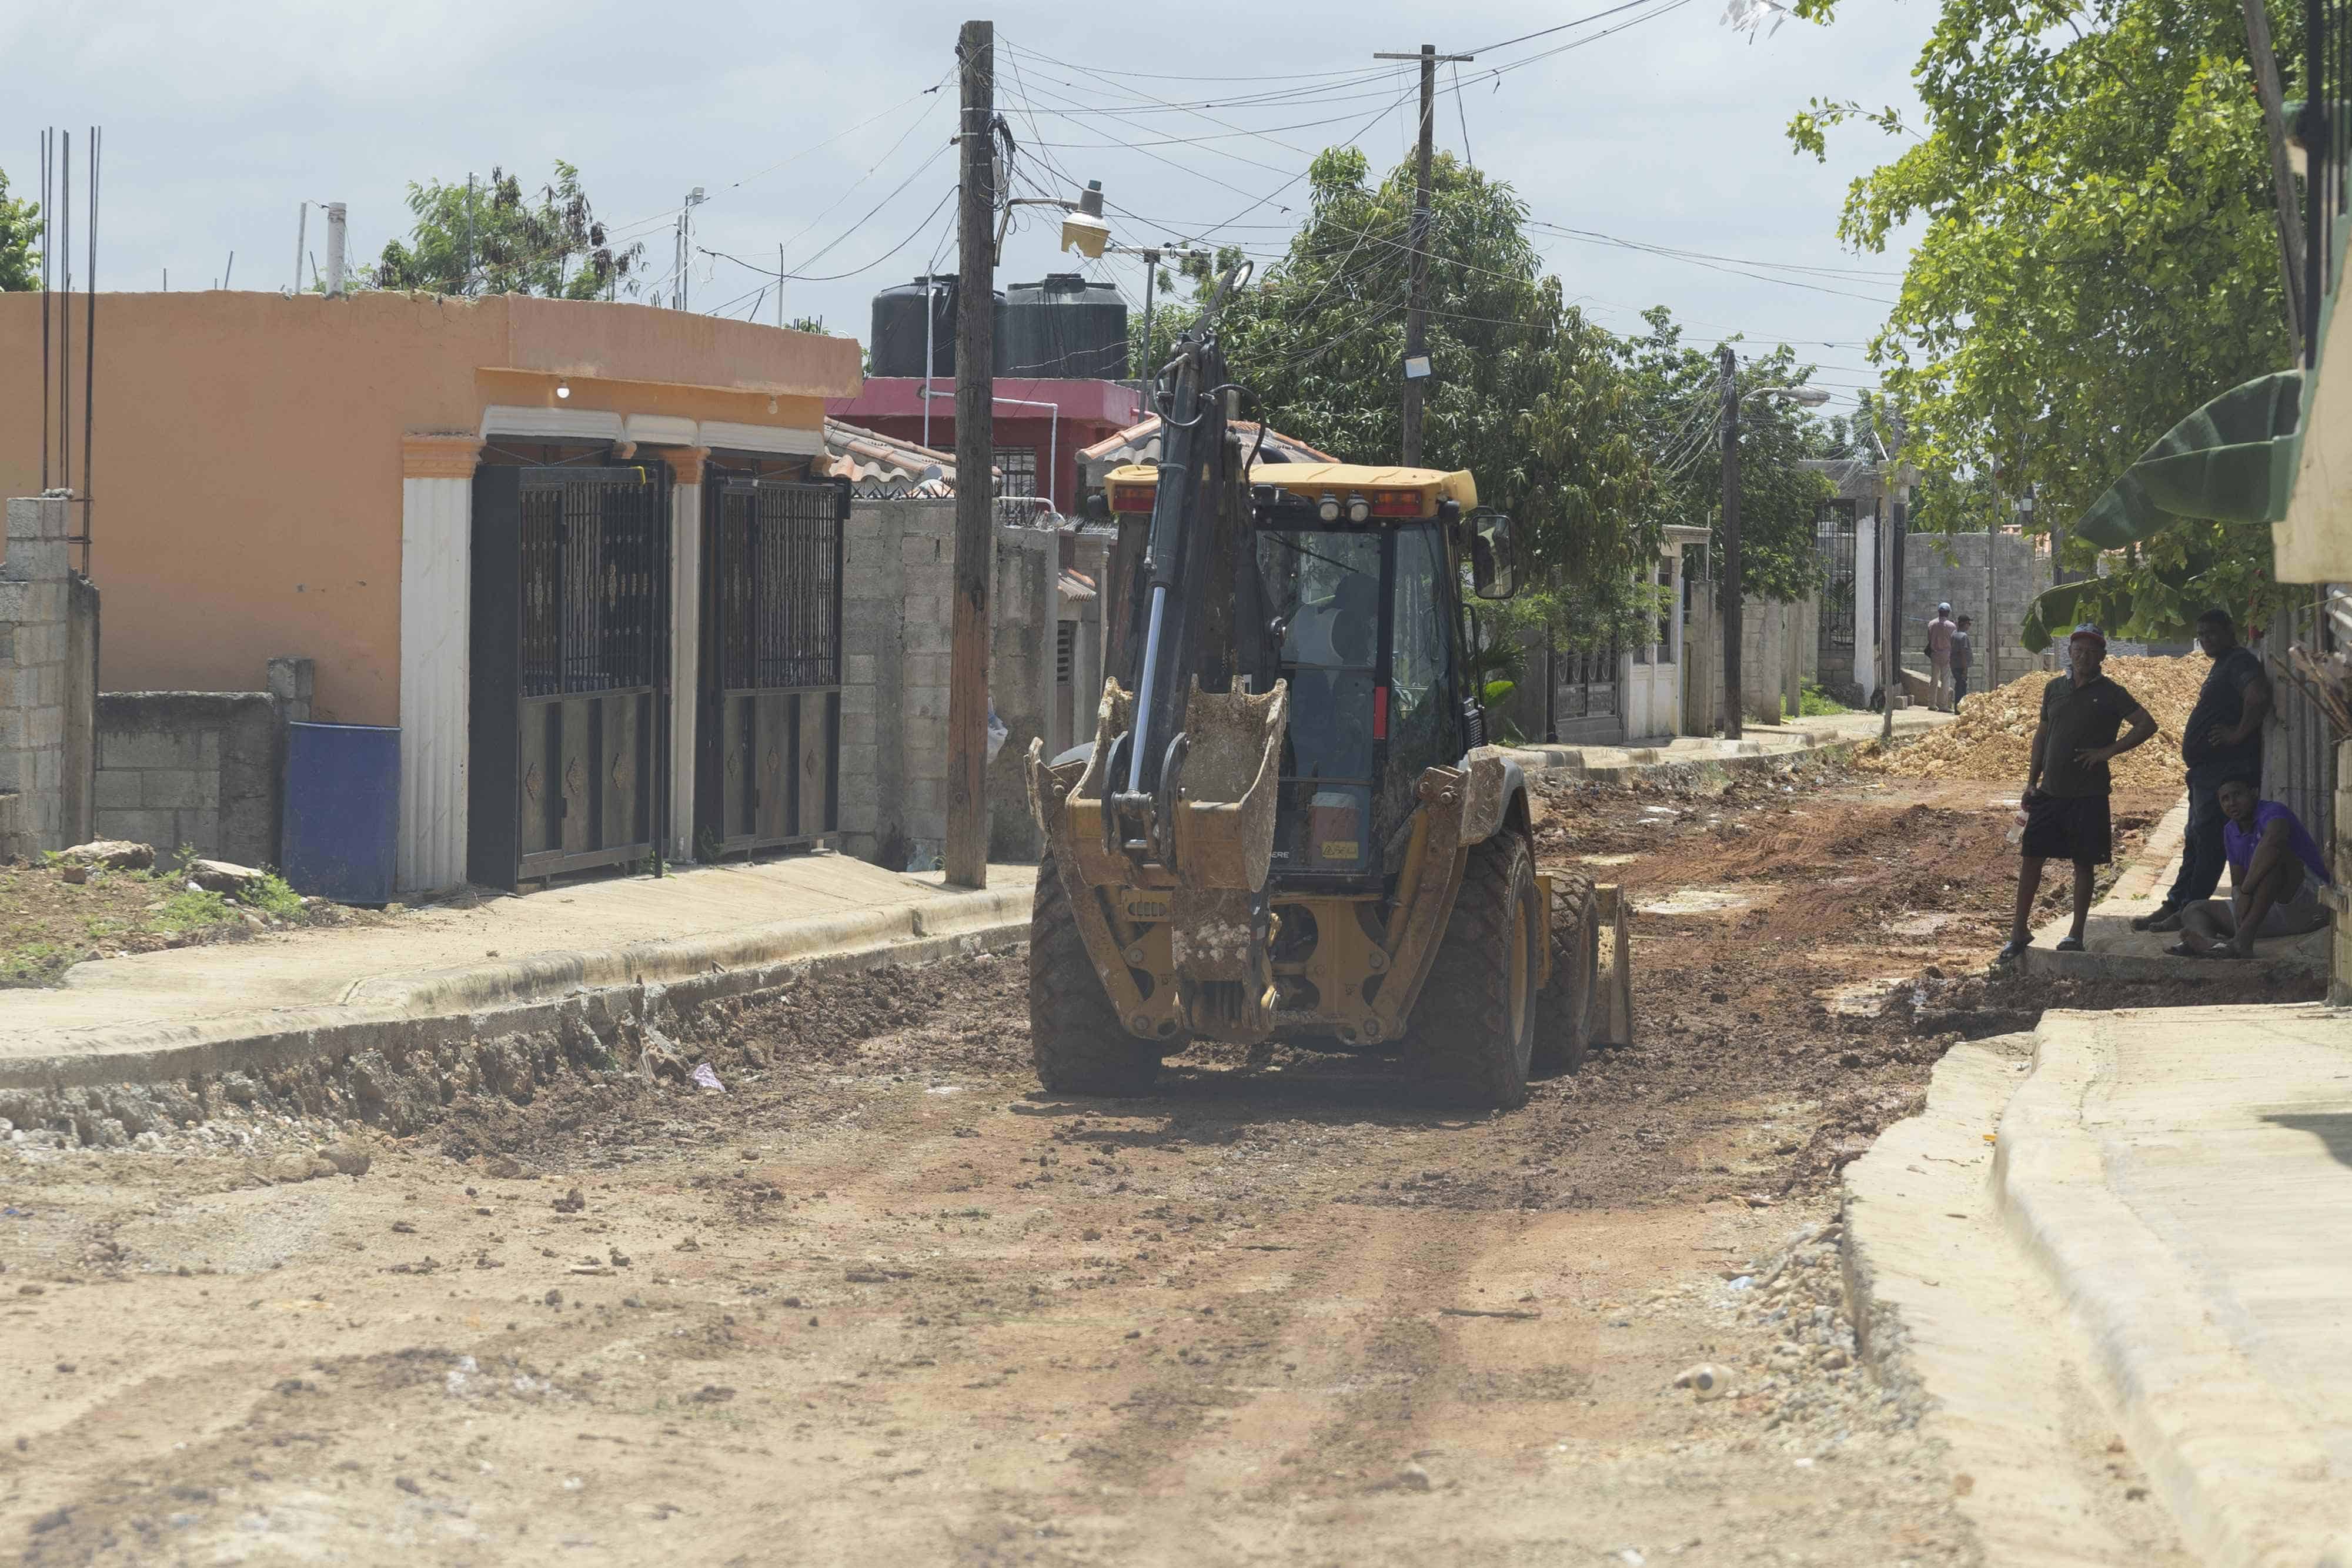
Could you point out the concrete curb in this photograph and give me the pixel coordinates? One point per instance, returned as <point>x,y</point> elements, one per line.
<point>2243,1472</point>
<point>1941,1298</point>
<point>532,995</point>
<point>1698,770</point>
<point>1758,754</point>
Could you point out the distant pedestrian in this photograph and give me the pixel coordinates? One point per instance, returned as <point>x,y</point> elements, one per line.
<point>1963,655</point>
<point>2275,873</point>
<point>2066,782</point>
<point>1939,656</point>
<point>2222,740</point>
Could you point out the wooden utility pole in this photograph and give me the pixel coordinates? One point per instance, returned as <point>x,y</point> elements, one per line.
<point>1416,317</point>
<point>966,860</point>
<point>1727,371</point>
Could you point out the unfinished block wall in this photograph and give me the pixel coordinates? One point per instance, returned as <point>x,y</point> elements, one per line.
<point>200,769</point>
<point>2021,571</point>
<point>899,582</point>
<point>49,677</point>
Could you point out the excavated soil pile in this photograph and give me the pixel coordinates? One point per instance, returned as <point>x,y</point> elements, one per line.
<point>1996,729</point>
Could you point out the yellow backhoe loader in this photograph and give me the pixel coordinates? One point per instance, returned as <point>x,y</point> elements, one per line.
<point>1289,824</point>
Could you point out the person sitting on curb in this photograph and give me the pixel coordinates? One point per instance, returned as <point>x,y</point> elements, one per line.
<point>2066,782</point>
<point>2275,873</point>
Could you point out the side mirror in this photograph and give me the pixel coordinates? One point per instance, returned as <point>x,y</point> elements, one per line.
<point>1493,573</point>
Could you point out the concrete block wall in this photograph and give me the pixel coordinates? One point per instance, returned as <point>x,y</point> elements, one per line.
<point>204,769</point>
<point>1951,569</point>
<point>48,671</point>
<point>898,585</point>
<point>1778,648</point>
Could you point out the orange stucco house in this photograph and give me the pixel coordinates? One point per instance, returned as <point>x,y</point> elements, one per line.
<point>296,475</point>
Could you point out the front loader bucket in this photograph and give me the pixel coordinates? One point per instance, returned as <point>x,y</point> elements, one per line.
<point>1211,825</point>
<point>1187,863</point>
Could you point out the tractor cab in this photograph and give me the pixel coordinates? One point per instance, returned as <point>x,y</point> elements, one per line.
<point>1358,588</point>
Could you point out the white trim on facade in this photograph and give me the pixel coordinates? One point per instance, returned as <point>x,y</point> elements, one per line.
<point>784,441</point>
<point>685,654</point>
<point>436,527</point>
<point>1867,631</point>
<point>661,430</point>
<point>553,424</point>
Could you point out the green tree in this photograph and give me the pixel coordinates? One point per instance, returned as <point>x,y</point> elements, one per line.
<point>20,227</point>
<point>2097,257</point>
<point>1525,393</point>
<point>1779,500</point>
<point>492,238</point>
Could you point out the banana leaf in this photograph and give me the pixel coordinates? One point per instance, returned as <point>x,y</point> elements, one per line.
<point>2232,460</point>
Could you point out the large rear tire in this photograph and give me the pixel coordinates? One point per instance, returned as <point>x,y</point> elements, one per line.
<point>1074,1034</point>
<point>1473,1027</point>
<point>1564,1019</point>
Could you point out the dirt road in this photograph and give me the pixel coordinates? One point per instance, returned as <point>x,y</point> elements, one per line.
<point>882,1301</point>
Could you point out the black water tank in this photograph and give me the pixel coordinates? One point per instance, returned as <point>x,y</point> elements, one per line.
<point>896,348</point>
<point>1064,325</point>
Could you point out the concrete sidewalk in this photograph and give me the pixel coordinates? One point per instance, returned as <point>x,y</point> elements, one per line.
<point>155,1014</point>
<point>2183,1176</point>
<point>1619,764</point>
<point>2154,1205</point>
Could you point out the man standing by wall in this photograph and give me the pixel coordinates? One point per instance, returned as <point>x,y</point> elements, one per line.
<point>1939,655</point>
<point>1963,656</point>
<point>2222,740</point>
<point>2066,782</point>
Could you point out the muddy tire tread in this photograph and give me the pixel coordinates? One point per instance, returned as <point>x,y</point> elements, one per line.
<point>1565,1005</point>
<point>1458,1044</point>
<point>1075,1038</point>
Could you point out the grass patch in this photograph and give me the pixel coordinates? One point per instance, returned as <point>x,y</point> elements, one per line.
<point>1818,703</point>
<point>192,910</point>
<point>47,924</point>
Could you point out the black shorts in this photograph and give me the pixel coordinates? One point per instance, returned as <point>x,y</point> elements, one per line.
<point>2068,828</point>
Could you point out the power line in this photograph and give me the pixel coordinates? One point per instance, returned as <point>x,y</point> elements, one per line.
<point>666,213</point>
<point>1559,27</point>
<point>770,272</point>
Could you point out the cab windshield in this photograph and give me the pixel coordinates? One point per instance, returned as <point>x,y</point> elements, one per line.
<point>1323,586</point>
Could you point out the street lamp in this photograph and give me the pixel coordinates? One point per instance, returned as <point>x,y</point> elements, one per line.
<point>1807,397</point>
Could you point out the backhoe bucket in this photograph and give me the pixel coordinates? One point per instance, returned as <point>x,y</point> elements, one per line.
<point>1210,826</point>
<point>1194,854</point>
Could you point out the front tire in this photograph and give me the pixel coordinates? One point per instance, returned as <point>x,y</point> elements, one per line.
<point>1075,1038</point>
<point>1473,1027</point>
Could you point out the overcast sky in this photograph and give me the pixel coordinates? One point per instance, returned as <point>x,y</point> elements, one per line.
<point>221,117</point>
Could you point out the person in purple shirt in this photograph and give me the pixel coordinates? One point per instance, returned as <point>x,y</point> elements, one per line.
<point>2275,874</point>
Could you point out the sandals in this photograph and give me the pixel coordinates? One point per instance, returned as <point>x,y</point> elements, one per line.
<point>2183,950</point>
<point>2163,918</point>
<point>2009,954</point>
<point>2068,944</point>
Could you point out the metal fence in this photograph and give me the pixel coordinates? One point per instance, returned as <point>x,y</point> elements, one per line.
<point>779,584</point>
<point>1584,682</point>
<point>1834,534</point>
<point>592,572</point>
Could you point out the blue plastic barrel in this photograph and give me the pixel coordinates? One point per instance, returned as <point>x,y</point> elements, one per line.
<point>341,824</point>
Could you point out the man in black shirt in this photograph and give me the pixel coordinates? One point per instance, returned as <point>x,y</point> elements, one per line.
<point>2066,781</point>
<point>2222,740</point>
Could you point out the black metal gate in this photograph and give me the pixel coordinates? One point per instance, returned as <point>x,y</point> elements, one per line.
<point>569,734</point>
<point>768,772</point>
<point>1585,683</point>
<point>1833,533</point>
